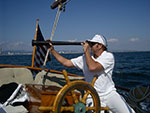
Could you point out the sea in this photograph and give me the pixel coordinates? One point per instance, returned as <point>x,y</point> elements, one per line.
<point>132,69</point>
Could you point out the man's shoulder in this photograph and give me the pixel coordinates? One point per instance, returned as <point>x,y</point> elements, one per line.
<point>107,56</point>
<point>107,53</point>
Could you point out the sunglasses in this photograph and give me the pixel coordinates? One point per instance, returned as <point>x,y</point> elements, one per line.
<point>91,44</point>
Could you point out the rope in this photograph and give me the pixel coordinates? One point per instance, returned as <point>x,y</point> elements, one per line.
<point>44,64</point>
<point>60,7</point>
<point>132,94</point>
<point>134,100</point>
<point>56,21</point>
<point>53,31</point>
<point>52,34</point>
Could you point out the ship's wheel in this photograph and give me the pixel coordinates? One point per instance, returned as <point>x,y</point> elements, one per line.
<point>80,91</point>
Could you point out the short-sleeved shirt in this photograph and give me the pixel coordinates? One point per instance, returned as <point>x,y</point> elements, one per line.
<point>104,84</point>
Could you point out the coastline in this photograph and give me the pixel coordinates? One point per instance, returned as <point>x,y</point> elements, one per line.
<point>10,53</point>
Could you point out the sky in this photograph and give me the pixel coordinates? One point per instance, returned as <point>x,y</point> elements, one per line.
<point>124,23</point>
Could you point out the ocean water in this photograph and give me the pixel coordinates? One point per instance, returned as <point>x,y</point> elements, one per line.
<point>132,69</point>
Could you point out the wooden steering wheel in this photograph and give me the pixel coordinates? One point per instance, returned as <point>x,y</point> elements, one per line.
<point>79,91</point>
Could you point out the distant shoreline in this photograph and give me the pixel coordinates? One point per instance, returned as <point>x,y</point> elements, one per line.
<point>63,52</point>
<point>129,51</point>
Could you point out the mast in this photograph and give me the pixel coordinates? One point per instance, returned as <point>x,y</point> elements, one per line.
<point>34,47</point>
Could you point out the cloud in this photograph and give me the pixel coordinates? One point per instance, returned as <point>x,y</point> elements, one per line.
<point>72,40</point>
<point>134,39</point>
<point>113,40</point>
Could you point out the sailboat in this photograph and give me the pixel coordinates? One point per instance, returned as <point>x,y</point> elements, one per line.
<point>53,91</point>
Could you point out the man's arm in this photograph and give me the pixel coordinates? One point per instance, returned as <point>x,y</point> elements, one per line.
<point>92,65</point>
<point>59,58</point>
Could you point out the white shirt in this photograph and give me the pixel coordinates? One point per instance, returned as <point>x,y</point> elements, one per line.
<point>104,84</point>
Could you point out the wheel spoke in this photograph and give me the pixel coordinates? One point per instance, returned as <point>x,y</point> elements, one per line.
<point>67,108</point>
<point>90,108</point>
<point>85,96</point>
<point>88,92</point>
<point>66,76</point>
<point>75,99</point>
<point>94,79</point>
<point>72,92</point>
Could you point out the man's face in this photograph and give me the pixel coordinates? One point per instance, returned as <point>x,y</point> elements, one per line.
<point>95,47</point>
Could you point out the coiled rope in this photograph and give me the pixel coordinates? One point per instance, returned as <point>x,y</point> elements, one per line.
<point>139,91</point>
<point>137,95</point>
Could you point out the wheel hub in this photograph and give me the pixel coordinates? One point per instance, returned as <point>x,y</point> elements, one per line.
<point>79,108</point>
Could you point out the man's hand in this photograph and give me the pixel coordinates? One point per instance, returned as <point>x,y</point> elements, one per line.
<point>51,48</point>
<point>85,47</point>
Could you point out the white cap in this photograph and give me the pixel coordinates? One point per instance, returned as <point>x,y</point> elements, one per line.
<point>99,39</point>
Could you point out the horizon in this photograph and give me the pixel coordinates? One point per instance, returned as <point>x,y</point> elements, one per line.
<point>125,24</point>
<point>29,52</point>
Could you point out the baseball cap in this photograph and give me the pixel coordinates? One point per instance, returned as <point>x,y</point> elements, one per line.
<point>99,39</point>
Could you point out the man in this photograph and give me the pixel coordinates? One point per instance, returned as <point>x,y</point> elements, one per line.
<point>101,63</point>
